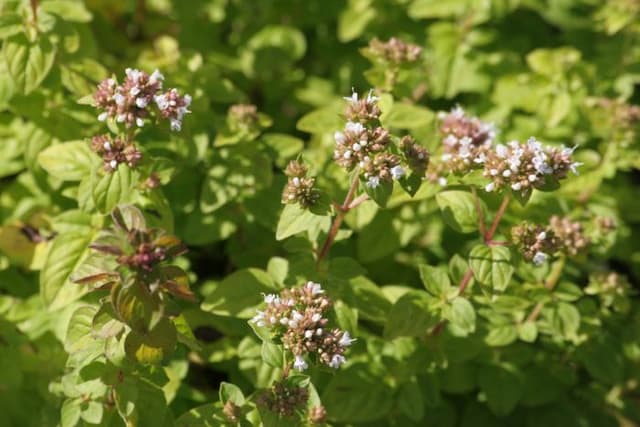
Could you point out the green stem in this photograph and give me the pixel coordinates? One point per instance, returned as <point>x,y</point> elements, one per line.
<point>550,283</point>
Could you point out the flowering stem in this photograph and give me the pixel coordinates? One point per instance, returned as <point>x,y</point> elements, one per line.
<point>337,221</point>
<point>496,221</point>
<point>359,200</point>
<point>34,10</point>
<point>550,283</point>
<point>488,236</point>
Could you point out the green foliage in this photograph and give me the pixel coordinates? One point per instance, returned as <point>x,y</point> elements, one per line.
<point>108,319</point>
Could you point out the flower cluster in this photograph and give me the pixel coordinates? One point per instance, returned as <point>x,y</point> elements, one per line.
<point>522,167</point>
<point>393,51</point>
<point>130,102</point>
<point>465,143</point>
<point>296,317</point>
<point>365,145</point>
<point>115,151</point>
<point>300,188</point>
<point>416,157</point>
<point>612,289</point>
<point>536,242</point>
<point>243,116</point>
<point>284,399</point>
<point>231,411</point>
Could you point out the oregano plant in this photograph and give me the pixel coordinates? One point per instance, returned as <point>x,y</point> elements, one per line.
<point>320,213</point>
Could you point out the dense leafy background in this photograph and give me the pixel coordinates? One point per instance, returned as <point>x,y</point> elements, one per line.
<point>533,67</point>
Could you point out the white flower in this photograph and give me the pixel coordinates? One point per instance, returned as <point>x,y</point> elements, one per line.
<point>354,127</point>
<point>300,364</point>
<point>516,186</point>
<point>156,77</point>
<point>139,122</point>
<point>134,91</point>
<point>271,298</point>
<point>573,167</point>
<point>103,116</point>
<point>345,340</point>
<point>176,125</point>
<point>532,178</point>
<point>113,164</point>
<point>258,319</point>
<point>397,172</point>
<point>315,288</point>
<point>489,187</point>
<point>296,181</point>
<point>319,331</point>
<point>106,146</point>
<point>119,99</point>
<point>141,102</point>
<point>539,258</point>
<point>308,334</point>
<point>161,102</point>
<point>339,137</point>
<point>373,182</point>
<point>356,147</point>
<point>541,236</point>
<point>442,181</point>
<point>284,321</point>
<point>493,172</point>
<point>501,150</point>
<point>120,118</point>
<point>296,316</point>
<point>347,154</point>
<point>450,140</point>
<point>457,112</point>
<point>336,361</point>
<point>316,317</point>
<point>506,173</point>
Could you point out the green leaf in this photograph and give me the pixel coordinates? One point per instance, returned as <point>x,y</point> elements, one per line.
<point>69,161</point>
<point>421,9</point>
<point>28,63</point>
<point>209,415</point>
<point>435,280</point>
<point>324,120</point>
<point>272,354</point>
<point>154,346</point>
<point>354,20</point>
<point>79,341</point>
<point>410,316</point>
<point>491,266</point>
<point>407,116</point>
<point>566,320</point>
<point>239,293</point>
<point>294,220</point>
<point>501,335</point>
<point>134,305</point>
<point>69,10</point>
<point>503,387</point>
<point>356,394</point>
<point>70,412</point>
<point>410,400</point>
<point>64,257</point>
<point>380,193</point>
<point>462,317</point>
<point>10,24</point>
<point>459,210</point>
<point>528,332</point>
<point>231,392</point>
<point>113,188</point>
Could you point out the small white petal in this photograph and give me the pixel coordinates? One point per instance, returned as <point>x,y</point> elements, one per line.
<point>103,116</point>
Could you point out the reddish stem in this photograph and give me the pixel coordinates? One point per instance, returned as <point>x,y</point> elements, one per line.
<point>488,236</point>
<point>34,10</point>
<point>337,221</point>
